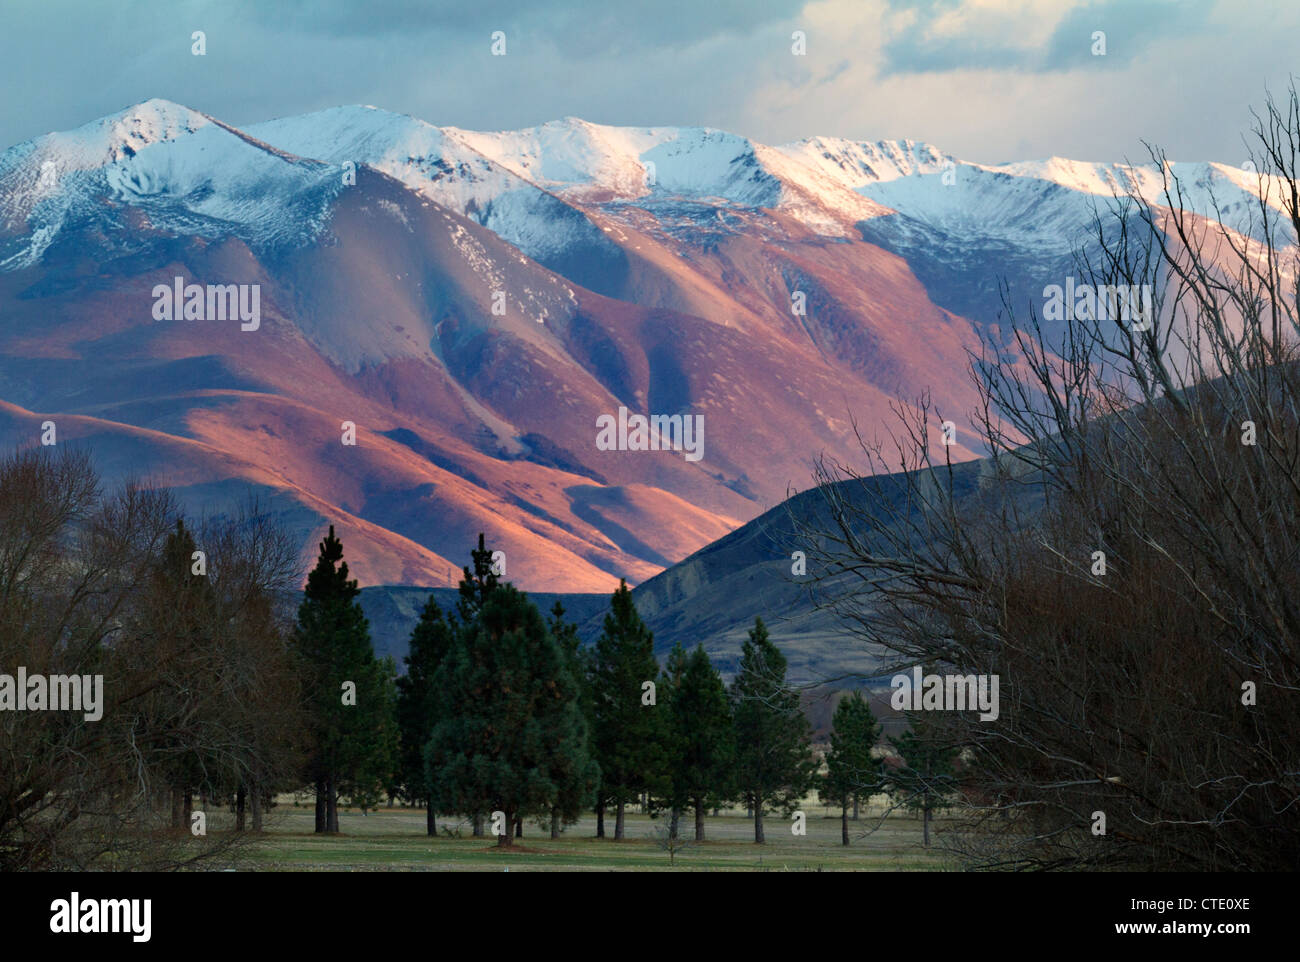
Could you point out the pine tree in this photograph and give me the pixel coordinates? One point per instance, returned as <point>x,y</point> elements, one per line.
<point>349,693</point>
<point>701,742</point>
<point>774,762</point>
<point>926,779</point>
<point>629,733</point>
<point>431,639</point>
<point>580,790</point>
<point>374,738</point>
<point>510,736</point>
<point>671,736</point>
<point>851,771</point>
<point>476,584</point>
<point>478,580</point>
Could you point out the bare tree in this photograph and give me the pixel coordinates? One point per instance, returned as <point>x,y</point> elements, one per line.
<point>193,695</point>
<point>1125,559</point>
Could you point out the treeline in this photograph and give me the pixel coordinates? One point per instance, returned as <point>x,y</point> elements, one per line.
<point>503,715</point>
<point>216,698</point>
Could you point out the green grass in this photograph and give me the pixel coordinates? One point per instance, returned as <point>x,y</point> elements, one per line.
<point>395,840</point>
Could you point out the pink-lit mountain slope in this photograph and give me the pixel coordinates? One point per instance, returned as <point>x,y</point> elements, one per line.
<point>473,303</point>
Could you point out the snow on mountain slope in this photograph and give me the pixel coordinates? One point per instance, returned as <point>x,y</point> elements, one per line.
<point>1044,204</point>
<point>187,172</point>
<point>216,181</point>
<point>419,154</point>
<point>594,163</point>
<point>439,165</point>
<point>94,145</point>
<point>179,164</point>
<point>1218,192</point>
<point>509,181</point>
<point>855,164</point>
<point>571,153</point>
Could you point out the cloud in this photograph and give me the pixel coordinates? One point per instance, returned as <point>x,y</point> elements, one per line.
<point>577,27</point>
<point>940,36</point>
<point>1130,26</point>
<point>989,80</point>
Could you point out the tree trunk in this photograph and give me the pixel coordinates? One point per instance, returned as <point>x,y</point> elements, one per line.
<point>600,820</point>
<point>672,824</point>
<point>618,821</point>
<point>506,839</point>
<point>758,821</point>
<point>241,802</point>
<point>844,823</point>
<point>855,808</point>
<point>256,803</point>
<point>478,825</point>
<point>331,806</point>
<point>555,823</point>
<point>699,820</point>
<point>177,819</point>
<point>925,822</point>
<point>322,824</point>
<point>430,820</point>
<point>188,809</point>
<point>519,826</point>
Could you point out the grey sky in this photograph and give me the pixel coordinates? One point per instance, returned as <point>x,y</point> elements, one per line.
<point>989,80</point>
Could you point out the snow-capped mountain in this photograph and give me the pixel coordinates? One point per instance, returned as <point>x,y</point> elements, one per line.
<point>182,170</point>
<point>473,302</point>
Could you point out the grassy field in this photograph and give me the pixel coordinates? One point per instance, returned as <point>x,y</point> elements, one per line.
<point>394,840</point>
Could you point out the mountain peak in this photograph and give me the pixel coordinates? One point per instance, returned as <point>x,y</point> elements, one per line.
<point>114,135</point>
<point>149,121</point>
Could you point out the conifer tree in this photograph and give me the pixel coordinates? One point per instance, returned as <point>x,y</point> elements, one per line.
<point>926,779</point>
<point>510,736</point>
<point>671,736</point>
<point>705,713</point>
<point>774,763</point>
<point>629,733</point>
<point>701,743</point>
<point>579,791</point>
<point>476,582</point>
<point>349,692</point>
<point>431,639</point>
<point>851,771</point>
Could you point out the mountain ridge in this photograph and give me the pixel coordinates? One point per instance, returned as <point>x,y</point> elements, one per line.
<point>472,302</point>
